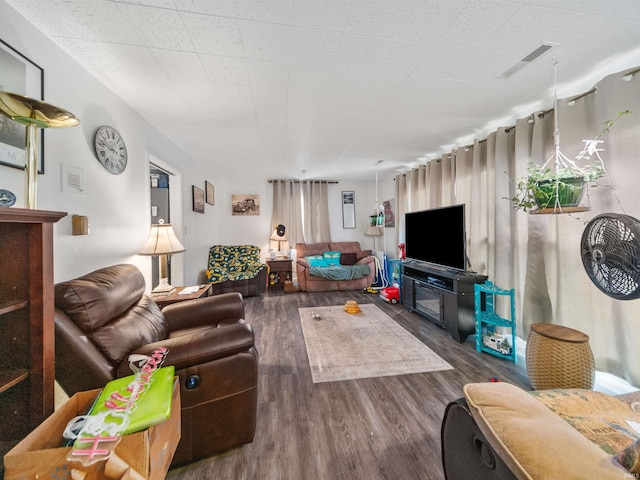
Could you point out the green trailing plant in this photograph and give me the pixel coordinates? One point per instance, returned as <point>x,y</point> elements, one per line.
<point>563,182</point>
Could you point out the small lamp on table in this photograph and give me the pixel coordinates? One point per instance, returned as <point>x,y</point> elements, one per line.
<point>279,236</point>
<point>163,242</point>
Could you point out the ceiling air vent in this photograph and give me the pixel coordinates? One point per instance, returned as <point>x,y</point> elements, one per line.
<point>537,53</point>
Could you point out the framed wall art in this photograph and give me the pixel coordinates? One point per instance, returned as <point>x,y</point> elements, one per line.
<point>348,209</point>
<point>389,215</point>
<point>18,75</point>
<point>198,199</point>
<point>208,187</point>
<point>245,204</point>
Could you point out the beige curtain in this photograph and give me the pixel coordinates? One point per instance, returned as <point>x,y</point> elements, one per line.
<point>287,210</point>
<point>316,212</point>
<point>539,255</point>
<point>303,208</point>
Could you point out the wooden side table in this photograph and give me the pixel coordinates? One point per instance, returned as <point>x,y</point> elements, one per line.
<point>559,357</point>
<point>176,296</point>
<point>279,272</point>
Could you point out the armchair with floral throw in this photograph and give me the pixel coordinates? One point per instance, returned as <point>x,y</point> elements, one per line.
<point>236,268</point>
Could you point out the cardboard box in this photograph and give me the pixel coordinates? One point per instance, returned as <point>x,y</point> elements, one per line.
<point>141,455</point>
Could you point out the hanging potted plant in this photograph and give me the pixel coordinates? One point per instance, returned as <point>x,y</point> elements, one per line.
<point>563,182</point>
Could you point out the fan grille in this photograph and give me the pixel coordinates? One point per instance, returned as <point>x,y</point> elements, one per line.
<point>611,255</point>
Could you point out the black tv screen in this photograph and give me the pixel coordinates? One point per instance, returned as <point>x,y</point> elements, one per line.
<point>437,236</point>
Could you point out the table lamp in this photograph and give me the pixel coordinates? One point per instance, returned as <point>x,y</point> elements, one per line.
<point>163,242</point>
<point>279,236</point>
<point>33,114</point>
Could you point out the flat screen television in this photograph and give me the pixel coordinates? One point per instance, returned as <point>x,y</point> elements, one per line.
<point>437,236</point>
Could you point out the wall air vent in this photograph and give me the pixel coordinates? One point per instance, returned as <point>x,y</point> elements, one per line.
<point>534,55</point>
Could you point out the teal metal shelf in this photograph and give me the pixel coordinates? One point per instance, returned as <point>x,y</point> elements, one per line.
<point>488,340</point>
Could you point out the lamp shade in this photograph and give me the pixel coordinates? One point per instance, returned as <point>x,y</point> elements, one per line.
<point>374,231</point>
<point>28,111</point>
<point>274,236</point>
<point>162,241</point>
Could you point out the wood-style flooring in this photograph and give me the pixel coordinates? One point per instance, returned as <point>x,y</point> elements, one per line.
<point>370,429</point>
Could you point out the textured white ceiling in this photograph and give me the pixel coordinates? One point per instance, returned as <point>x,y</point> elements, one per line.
<point>327,88</point>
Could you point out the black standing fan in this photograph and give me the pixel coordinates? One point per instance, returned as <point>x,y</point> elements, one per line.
<point>610,250</point>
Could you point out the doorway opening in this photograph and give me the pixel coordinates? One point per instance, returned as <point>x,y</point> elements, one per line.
<point>160,191</point>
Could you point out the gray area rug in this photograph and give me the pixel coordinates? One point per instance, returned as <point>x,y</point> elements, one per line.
<point>343,346</point>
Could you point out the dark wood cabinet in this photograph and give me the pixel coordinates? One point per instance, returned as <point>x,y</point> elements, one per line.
<point>279,272</point>
<point>443,296</point>
<point>27,370</point>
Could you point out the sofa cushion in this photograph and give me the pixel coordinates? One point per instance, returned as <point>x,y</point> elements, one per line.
<point>599,417</point>
<point>109,306</point>
<point>94,299</point>
<point>531,439</point>
<point>348,259</point>
<point>316,261</point>
<point>630,458</point>
<point>332,258</point>
<point>362,254</point>
<point>142,324</point>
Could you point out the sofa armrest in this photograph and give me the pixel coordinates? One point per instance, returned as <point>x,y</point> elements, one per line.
<point>199,347</point>
<point>224,309</point>
<point>532,440</point>
<point>366,260</point>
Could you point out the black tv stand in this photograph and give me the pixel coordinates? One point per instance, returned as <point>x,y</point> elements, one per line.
<point>442,295</point>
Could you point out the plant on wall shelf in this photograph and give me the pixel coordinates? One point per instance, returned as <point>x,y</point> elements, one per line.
<point>563,182</point>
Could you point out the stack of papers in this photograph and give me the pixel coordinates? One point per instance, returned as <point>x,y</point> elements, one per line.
<point>189,290</point>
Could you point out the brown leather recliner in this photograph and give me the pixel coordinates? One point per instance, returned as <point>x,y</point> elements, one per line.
<point>104,316</point>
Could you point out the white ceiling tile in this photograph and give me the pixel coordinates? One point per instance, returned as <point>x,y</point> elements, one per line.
<point>478,21</point>
<point>371,55</point>
<point>224,8</point>
<point>264,41</point>
<point>96,20</point>
<point>263,73</point>
<point>47,17</point>
<point>323,15</point>
<point>150,3</point>
<point>214,35</point>
<point>272,11</point>
<point>313,47</point>
<point>411,20</point>
<point>225,69</point>
<point>158,27</point>
<point>180,64</point>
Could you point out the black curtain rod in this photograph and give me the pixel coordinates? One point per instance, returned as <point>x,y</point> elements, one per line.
<point>304,181</point>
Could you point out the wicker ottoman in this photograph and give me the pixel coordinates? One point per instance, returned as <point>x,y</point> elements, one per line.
<point>559,357</point>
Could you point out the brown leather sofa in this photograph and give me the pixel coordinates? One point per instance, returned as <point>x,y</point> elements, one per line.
<point>104,316</point>
<point>312,283</point>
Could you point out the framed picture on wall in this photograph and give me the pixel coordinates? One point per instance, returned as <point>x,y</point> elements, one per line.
<point>18,75</point>
<point>389,215</point>
<point>198,199</point>
<point>208,187</point>
<point>245,204</point>
<point>348,209</point>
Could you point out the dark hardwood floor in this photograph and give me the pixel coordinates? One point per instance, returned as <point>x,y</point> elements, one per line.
<point>377,428</point>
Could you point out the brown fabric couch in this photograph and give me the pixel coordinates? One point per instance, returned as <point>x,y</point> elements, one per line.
<point>311,283</point>
<point>104,316</point>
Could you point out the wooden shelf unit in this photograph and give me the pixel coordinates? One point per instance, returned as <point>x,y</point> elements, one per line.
<point>27,369</point>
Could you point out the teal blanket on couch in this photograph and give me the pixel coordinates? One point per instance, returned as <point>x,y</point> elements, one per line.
<point>340,272</point>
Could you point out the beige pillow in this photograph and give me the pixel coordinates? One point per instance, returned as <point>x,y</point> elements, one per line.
<point>534,442</point>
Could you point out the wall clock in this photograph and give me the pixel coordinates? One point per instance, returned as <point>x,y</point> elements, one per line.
<point>110,149</point>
